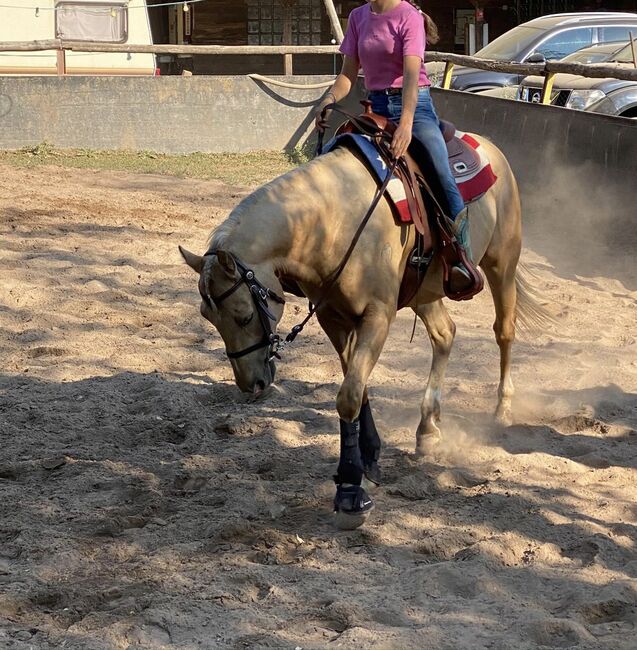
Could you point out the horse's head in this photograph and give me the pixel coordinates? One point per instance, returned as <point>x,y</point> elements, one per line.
<point>244,308</point>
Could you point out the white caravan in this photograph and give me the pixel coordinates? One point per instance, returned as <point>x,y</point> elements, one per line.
<point>95,21</point>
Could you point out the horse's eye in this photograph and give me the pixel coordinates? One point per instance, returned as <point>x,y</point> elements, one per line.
<point>244,322</point>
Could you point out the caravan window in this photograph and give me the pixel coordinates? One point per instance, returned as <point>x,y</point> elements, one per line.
<point>84,21</point>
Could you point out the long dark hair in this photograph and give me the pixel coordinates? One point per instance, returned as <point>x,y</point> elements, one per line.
<point>431,29</point>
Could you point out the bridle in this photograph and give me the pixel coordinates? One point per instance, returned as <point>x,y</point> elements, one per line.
<point>260,295</point>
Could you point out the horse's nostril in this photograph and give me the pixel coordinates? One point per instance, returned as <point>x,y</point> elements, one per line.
<point>259,386</point>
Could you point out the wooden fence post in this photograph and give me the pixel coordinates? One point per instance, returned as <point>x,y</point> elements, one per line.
<point>60,61</point>
<point>446,78</point>
<point>335,22</point>
<point>288,69</point>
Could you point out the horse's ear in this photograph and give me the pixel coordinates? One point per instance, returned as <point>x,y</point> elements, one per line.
<point>195,262</point>
<point>226,261</point>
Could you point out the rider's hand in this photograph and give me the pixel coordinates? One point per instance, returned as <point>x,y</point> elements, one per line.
<point>321,123</point>
<point>401,140</point>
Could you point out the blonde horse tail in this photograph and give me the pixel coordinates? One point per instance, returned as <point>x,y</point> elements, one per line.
<point>532,317</point>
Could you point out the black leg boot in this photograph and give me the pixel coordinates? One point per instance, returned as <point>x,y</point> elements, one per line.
<point>352,504</point>
<point>370,445</point>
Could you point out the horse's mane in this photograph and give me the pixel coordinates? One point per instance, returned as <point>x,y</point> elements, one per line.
<point>220,234</point>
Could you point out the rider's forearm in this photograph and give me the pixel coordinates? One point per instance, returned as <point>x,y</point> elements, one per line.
<point>411,74</point>
<point>339,90</point>
<point>344,82</point>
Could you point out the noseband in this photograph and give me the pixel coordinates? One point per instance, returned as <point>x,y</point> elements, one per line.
<point>260,295</point>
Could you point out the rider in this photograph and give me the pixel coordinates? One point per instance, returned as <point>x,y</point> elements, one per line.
<point>387,39</point>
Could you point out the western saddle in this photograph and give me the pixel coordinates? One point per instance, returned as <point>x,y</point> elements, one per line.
<point>433,226</point>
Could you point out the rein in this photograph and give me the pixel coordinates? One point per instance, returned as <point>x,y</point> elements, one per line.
<point>297,329</point>
<point>381,137</point>
<point>261,293</point>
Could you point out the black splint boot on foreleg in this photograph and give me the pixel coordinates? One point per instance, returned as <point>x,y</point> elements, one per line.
<point>352,504</point>
<point>370,445</point>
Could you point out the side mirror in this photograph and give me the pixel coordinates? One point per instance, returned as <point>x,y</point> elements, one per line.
<point>536,57</point>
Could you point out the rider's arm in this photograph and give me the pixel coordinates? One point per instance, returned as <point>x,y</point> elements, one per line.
<point>411,75</point>
<point>345,80</point>
<point>341,87</point>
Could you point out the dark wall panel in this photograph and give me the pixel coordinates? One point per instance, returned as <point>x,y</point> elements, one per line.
<point>221,22</point>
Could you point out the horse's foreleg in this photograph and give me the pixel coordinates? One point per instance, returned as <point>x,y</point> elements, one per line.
<point>502,283</point>
<point>371,334</point>
<point>369,443</point>
<point>343,335</point>
<point>352,504</point>
<point>441,330</point>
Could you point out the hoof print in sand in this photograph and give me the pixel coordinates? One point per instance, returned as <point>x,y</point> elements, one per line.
<point>577,423</point>
<point>558,633</point>
<point>584,552</point>
<point>458,478</point>
<point>186,484</point>
<point>413,488</point>
<point>236,425</point>
<point>609,611</point>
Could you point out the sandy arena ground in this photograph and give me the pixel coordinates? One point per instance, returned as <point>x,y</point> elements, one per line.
<point>144,503</point>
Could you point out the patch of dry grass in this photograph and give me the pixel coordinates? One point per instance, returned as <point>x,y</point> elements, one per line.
<point>236,168</point>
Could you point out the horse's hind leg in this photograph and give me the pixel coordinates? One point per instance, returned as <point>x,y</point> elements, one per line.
<point>501,278</point>
<point>441,330</point>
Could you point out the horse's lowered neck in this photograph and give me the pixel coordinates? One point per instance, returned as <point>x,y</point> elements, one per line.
<point>288,224</point>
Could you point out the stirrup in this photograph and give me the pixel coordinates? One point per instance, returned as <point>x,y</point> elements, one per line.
<point>459,278</point>
<point>462,280</point>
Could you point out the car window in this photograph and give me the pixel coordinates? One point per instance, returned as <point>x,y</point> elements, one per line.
<point>616,33</point>
<point>624,56</point>
<point>510,44</point>
<point>587,57</point>
<point>566,42</point>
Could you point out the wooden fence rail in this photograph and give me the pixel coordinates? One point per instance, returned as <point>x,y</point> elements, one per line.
<point>548,69</point>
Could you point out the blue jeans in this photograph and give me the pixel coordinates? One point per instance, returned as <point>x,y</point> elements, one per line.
<point>427,130</point>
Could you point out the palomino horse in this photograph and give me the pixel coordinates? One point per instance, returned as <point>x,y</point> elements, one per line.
<point>298,228</point>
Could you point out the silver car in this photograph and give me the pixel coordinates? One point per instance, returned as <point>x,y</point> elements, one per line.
<point>546,38</point>
<point>607,96</point>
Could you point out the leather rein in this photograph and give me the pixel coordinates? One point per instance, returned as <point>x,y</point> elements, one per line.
<point>260,293</point>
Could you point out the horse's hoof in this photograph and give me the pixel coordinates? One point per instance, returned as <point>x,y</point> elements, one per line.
<point>352,506</point>
<point>372,476</point>
<point>426,444</point>
<point>344,521</point>
<point>369,486</point>
<point>503,417</point>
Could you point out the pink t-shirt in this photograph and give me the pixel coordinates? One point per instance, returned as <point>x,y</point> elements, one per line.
<point>380,41</point>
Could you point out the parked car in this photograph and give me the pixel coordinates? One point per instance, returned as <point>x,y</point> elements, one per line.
<point>608,96</point>
<point>545,38</point>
